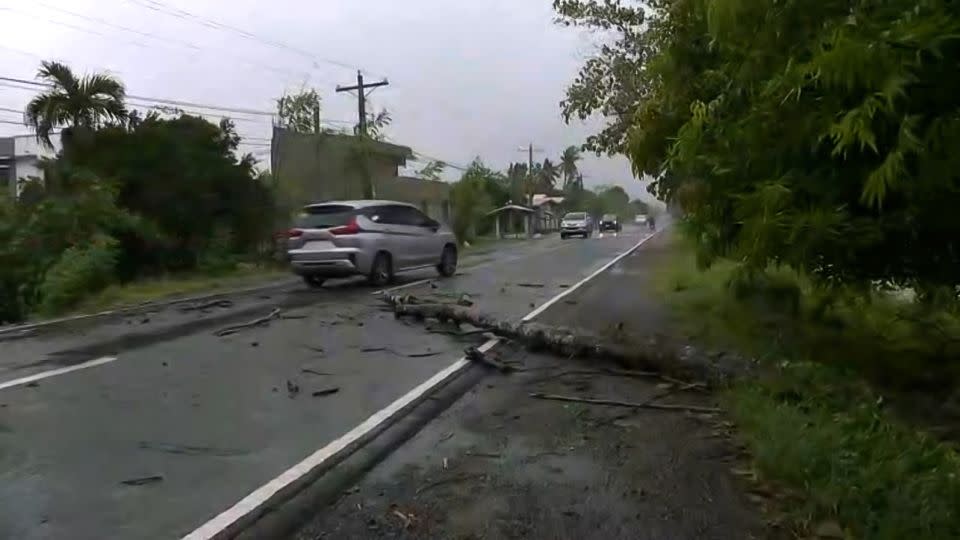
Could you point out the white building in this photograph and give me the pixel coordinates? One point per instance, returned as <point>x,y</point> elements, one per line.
<point>20,157</point>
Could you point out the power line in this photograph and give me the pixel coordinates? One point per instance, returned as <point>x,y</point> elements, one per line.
<point>445,162</point>
<point>181,43</point>
<point>164,101</point>
<point>166,9</point>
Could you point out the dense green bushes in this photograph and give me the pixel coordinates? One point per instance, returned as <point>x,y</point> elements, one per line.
<point>122,203</point>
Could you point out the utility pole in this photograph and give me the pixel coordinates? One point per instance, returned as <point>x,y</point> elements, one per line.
<point>530,183</point>
<point>361,89</point>
<point>362,150</point>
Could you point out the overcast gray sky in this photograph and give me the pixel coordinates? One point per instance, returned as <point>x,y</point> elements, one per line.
<point>467,79</point>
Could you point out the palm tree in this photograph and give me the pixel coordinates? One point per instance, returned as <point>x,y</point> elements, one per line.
<point>72,102</point>
<point>548,175</point>
<point>568,166</point>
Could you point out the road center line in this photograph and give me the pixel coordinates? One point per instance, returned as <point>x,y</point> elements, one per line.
<point>54,372</point>
<point>231,521</point>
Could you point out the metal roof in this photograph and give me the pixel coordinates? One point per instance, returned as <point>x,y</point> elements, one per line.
<point>359,203</point>
<point>511,207</point>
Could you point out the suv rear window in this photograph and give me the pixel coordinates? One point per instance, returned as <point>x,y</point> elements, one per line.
<point>324,217</point>
<point>575,216</point>
<point>609,217</point>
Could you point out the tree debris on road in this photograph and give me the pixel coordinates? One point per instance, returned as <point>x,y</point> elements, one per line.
<point>221,303</point>
<point>262,321</point>
<point>475,355</point>
<point>326,391</point>
<point>531,285</point>
<point>142,481</point>
<point>635,405</point>
<point>651,351</point>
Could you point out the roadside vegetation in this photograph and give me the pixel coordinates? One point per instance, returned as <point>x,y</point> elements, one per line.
<point>130,197</point>
<point>810,158</point>
<point>853,415</point>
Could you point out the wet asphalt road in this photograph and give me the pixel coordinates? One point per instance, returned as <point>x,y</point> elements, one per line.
<point>499,464</point>
<point>196,422</point>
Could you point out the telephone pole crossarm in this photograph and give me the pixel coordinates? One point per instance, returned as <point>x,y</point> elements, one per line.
<point>361,88</point>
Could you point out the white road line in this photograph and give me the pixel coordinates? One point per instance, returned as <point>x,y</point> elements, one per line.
<point>577,285</point>
<point>476,267</point>
<point>257,501</point>
<point>55,372</point>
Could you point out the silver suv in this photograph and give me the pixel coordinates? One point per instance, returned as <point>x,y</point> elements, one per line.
<point>576,223</point>
<point>371,238</point>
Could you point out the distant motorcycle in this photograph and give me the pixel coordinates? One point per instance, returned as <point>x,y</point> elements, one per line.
<point>652,224</point>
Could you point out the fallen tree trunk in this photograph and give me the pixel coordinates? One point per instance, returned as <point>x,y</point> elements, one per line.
<point>651,352</point>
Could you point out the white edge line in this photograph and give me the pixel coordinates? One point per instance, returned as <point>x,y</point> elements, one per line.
<point>580,283</point>
<point>256,500</point>
<point>262,495</point>
<point>55,372</point>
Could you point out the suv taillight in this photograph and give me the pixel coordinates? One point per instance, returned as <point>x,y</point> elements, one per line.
<point>352,227</point>
<point>294,233</point>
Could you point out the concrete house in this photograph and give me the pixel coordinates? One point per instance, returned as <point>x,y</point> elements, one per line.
<point>324,166</point>
<point>20,157</point>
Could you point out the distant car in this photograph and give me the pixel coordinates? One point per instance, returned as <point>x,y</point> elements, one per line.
<point>640,219</point>
<point>371,238</point>
<point>576,224</point>
<point>609,222</point>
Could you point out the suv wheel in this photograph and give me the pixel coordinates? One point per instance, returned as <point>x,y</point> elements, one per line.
<point>381,272</point>
<point>448,261</point>
<point>314,282</point>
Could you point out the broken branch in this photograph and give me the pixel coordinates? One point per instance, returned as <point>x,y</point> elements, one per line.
<point>256,322</point>
<point>634,405</point>
<point>224,303</point>
<point>652,351</point>
<point>474,355</point>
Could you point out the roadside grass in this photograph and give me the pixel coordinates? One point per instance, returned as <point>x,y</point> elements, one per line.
<point>175,285</point>
<point>817,420</point>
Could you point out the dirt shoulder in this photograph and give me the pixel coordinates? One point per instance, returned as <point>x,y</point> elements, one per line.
<point>501,464</point>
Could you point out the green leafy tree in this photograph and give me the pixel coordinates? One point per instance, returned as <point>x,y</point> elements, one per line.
<point>547,175</point>
<point>300,111</point>
<point>820,139</point>
<point>73,103</point>
<point>569,169</point>
<point>517,178</point>
<point>613,81</point>
<point>377,124</point>
<point>432,170</point>
<point>185,176</point>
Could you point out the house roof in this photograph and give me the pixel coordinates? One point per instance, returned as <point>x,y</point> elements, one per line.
<point>541,199</point>
<point>516,207</point>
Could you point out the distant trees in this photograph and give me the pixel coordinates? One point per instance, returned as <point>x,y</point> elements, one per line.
<point>300,111</point>
<point>73,102</point>
<point>432,170</point>
<point>548,175</point>
<point>568,168</point>
<point>479,190</point>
